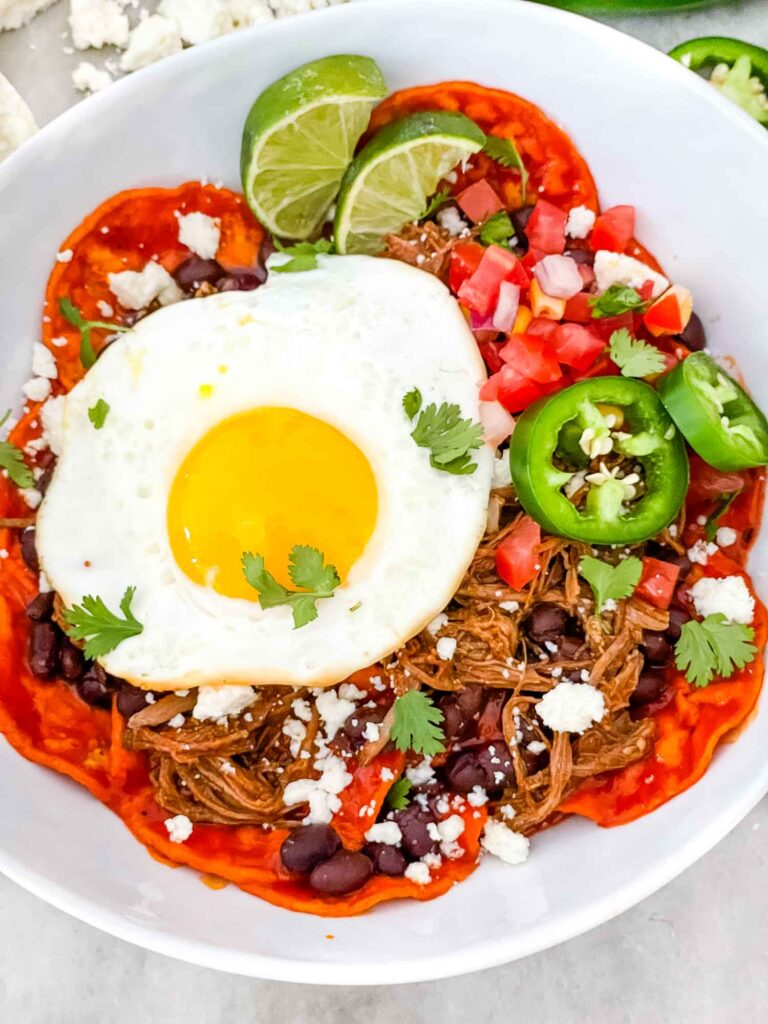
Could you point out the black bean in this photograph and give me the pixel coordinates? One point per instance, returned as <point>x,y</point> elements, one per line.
<point>41,607</point>
<point>582,256</point>
<point>307,846</point>
<point>650,686</point>
<point>497,764</point>
<point>44,482</point>
<point>357,722</point>
<point>568,646</point>
<point>344,872</point>
<point>455,724</point>
<point>44,649</point>
<point>131,699</point>
<point>464,772</point>
<point>677,619</point>
<point>694,336</point>
<point>242,280</point>
<point>656,648</point>
<point>195,271</point>
<point>414,822</point>
<point>28,550</point>
<point>94,689</point>
<point>72,660</point>
<point>520,220</point>
<point>387,860</point>
<point>546,622</point>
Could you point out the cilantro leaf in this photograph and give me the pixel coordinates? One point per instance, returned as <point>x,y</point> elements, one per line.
<point>714,647</point>
<point>307,569</point>
<point>101,629</point>
<point>71,313</point>
<point>304,255</point>
<point>397,798</point>
<point>497,230</point>
<point>617,299</point>
<point>97,414</point>
<point>448,437</point>
<point>417,724</point>
<point>505,152</point>
<point>412,403</point>
<point>610,582</point>
<point>439,199</point>
<point>12,461</point>
<point>634,357</point>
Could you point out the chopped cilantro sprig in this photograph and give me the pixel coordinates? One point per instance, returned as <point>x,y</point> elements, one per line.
<point>610,582</point>
<point>71,313</point>
<point>101,628</point>
<point>303,255</point>
<point>713,648</point>
<point>307,569</point>
<point>417,724</point>
<point>448,437</point>
<point>12,461</point>
<point>634,357</point>
<point>506,153</point>
<point>617,299</point>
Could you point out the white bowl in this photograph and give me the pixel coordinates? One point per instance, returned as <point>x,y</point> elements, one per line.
<point>655,136</point>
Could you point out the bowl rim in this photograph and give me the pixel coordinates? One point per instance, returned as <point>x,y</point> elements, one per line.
<point>495,951</point>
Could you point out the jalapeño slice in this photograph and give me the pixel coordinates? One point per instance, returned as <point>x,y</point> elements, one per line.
<point>715,414</point>
<point>639,474</point>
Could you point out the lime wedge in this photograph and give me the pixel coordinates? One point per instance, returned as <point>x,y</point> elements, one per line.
<point>299,137</point>
<point>388,182</point>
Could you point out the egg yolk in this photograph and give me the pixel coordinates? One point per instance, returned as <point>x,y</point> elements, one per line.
<point>264,481</point>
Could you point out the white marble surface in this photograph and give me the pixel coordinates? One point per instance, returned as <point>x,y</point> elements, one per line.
<point>695,952</point>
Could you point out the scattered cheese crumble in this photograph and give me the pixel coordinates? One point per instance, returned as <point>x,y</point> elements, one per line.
<point>728,596</point>
<point>179,828</point>
<point>214,702</point>
<point>200,233</point>
<point>571,707</point>
<point>580,222</point>
<point>502,842</point>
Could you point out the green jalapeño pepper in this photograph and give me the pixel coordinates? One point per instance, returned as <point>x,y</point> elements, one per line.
<point>738,70</point>
<point>717,417</point>
<point>637,473</point>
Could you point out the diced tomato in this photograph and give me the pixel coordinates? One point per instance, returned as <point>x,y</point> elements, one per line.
<point>578,308</point>
<point>479,201</point>
<point>670,313</point>
<point>708,484</point>
<point>645,291</point>
<point>489,350</point>
<point>657,582</point>
<point>480,292</point>
<point>605,326</point>
<point>517,557</point>
<point>614,229</point>
<point>546,228</point>
<point>532,357</point>
<point>576,346</point>
<point>512,389</point>
<point>540,328</point>
<point>531,258</point>
<point>465,259</point>
<point>603,367</point>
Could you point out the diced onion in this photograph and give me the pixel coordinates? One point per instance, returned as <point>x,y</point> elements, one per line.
<point>558,276</point>
<point>506,307</point>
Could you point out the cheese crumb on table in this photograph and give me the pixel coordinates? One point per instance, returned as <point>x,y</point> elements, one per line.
<point>153,38</point>
<point>88,78</point>
<point>198,20</point>
<point>17,123</point>
<point>43,362</point>
<point>15,13</point>
<point>97,23</point>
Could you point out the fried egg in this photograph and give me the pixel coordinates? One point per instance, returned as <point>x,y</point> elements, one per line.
<point>255,422</point>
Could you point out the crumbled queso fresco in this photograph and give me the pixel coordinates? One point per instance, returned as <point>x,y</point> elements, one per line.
<point>571,707</point>
<point>728,596</point>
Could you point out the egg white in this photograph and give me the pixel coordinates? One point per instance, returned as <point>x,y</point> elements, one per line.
<point>343,343</point>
